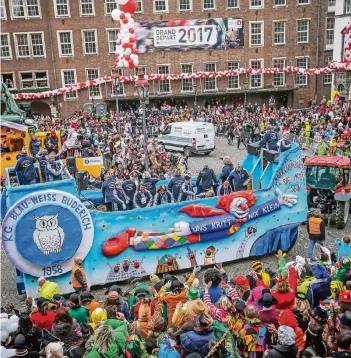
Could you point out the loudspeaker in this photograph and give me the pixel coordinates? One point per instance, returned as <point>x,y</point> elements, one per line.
<point>82,180</point>
<point>254,149</point>
<point>271,155</point>
<point>71,165</point>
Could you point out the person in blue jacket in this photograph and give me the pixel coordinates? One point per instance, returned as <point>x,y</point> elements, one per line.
<point>54,169</point>
<point>187,190</point>
<point>142,198</point>
<point>270,139</point>
<point>119,198</point>
<point>108,187</point>
<point>285,143</point>
<point>34,145</point>
<point>227,169</point>
<point>42,157</point>
<point>175,184</point>
<point>25,169</point>
<point>129,187</point>
<point>239,178</point>
<point>163,196</point>
<point>150,183</point>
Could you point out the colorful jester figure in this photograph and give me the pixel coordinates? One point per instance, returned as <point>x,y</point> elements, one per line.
<point>234,210</point>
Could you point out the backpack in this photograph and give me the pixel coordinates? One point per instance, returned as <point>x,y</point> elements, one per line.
<point>167,351</point>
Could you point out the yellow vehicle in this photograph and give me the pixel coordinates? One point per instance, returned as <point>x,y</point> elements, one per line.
<point>14,137</point>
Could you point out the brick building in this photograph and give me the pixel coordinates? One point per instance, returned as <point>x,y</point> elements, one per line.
<point>48,44</point>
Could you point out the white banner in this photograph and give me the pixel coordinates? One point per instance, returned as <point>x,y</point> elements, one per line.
<point>197,35</point>
<point>92,161</point>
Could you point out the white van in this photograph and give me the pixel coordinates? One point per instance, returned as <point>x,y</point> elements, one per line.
<point>189,137</point>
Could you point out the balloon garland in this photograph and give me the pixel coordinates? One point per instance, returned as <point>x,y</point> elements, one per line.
<point>126,54</point>
<point>332,66</point>
<point>347,43</point>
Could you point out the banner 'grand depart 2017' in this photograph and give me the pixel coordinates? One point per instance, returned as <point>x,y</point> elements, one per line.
<point>217,33</point>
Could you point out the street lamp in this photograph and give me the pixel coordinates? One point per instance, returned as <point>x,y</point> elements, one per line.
<point>142,87</point>
<point>115,81</point>
<point>195,103</point>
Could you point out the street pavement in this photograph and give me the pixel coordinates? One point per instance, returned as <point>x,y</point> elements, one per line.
<point>196,163</point>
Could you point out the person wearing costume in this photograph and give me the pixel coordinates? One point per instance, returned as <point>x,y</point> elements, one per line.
<point>142,198</point>
<point>25,169</point>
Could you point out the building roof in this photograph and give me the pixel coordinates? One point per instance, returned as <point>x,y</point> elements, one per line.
<point>328,161</point>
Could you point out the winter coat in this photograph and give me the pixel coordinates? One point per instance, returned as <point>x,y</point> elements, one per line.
<point>318,290</point>
<point>129,187</point>
<point>239,179</point>
<point>68,333</point>
<point>224,191</point>
<point>150,185</point>
<point>25,168</point>
<point>283,351</point>
<point>270,139</point>
<point>174,186</point>
<point>142,199</point>
<point>165,198</point>
<point>52,144</point>
<point>207,178</point>
<point>54,171</point>
<point>108,187</point>
<point>43,160</point>
<point>119,200</point>
<point>196,342</point>
<point>187,192</point>
<point>35,146</point>
<point>226,170</point>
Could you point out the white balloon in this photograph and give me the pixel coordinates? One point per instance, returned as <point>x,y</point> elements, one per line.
<point>13,327</point>
<point>131,21</point>
<point>14,318</point>
<point>120,64</point>
<point>4,335</point>
<point>128,51</point>
<point>116,13</point>
<point>125,40</point>
<point>136,62</point>
<point>125,63</point>
<point>128,15</point>
<point>121,2</point>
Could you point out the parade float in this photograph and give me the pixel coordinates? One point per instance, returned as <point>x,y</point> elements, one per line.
<point>46,225</point>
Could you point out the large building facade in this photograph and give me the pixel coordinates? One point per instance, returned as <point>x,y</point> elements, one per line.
<point>48,44</point>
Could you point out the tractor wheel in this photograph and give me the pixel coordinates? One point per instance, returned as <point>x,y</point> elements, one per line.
<point>342,213</point>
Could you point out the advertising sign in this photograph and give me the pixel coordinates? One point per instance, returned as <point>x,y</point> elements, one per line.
<point>93,161</point>
<point>217,33</point>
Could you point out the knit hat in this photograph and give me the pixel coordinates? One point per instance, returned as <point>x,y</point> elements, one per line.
<point>86,296</point>
<point>154,279</point>
<point>286,335</point>
<point>345,320</point>
<point>257,266</point>
<point>193,293</point>
<point>345,296</point>
<point>74,298</point>
<point>319,315</point>
<point>287,318</point>
<point>241,281</point>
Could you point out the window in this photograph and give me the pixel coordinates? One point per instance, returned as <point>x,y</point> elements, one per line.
<point>65,43</point>
<point>141,69</point>
<point>233,4</point>
<point>279,78</point>
<point>185,5</point>
<point>256,34</point>
<point>347,6</point>
<point>87,8</point>
<point>29,44</point>
<point>187,83</point>
<point>62,8</point>
<point>2,10</point>
<point>301,79</point>
<point>110,5</point>
<point>5,48</point>
<point>139,6</point>
<point>233,81</point>
<point>112,40</point>
<point>9,79</point>
<point>328,76</point>
<point>256,79</point>
<point>208,4</point>
<point>331,3</point>
<point>303,31</point>
<point>164,86</point>
<point>279,2</point>
<point>330,31</point>
<point>256,3</point>
<point>69,77</point>
<point>89,42</point>
<point>211,82</point>
<point>93,74</point>
<point>303,2</point>
<point>120,89</point>
<point>160,5</point>
<point>279,32</point>
<point>25,8</point>
<point>37,79</point>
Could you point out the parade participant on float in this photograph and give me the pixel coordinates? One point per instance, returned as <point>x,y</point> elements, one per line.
<point>163,196</point>
<point>224,189</point>
<point>187,190</point>
<point>25,169</point>
<point>227,169</point>
<point>47,289</point>
<point>206,179</point>
<point>42,157</point>
<point>119,198</point>
<point>52,142</point>
<point>34,145</point>
<point>285,143</point>
<point>54,169</point>
<point>239,178</point>
<point>270,139</point>
<point>175,184</point>
<point>79,279</point>
<point>108,187</point>
<point>142,198</point>
<point>150,183</point>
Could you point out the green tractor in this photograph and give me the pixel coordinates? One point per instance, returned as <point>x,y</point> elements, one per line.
<point>328,182</point>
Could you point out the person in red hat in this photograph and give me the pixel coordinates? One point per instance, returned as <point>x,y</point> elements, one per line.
<point>52,142</point>
<point>242,286</point>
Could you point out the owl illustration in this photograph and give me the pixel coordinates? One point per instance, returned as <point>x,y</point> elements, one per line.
<point>48,235</point>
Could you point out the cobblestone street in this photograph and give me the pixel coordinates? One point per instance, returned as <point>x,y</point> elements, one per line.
<point>8,277</point>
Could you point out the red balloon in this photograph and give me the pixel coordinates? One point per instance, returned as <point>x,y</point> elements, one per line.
<point>130,7</point>
<point>125,21</point>
<point>127,57</point>
<point>132,40</point>
<point>135,51</point>
<point>131,31</point>
<point>131,66</point>
<point>122,16</point>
